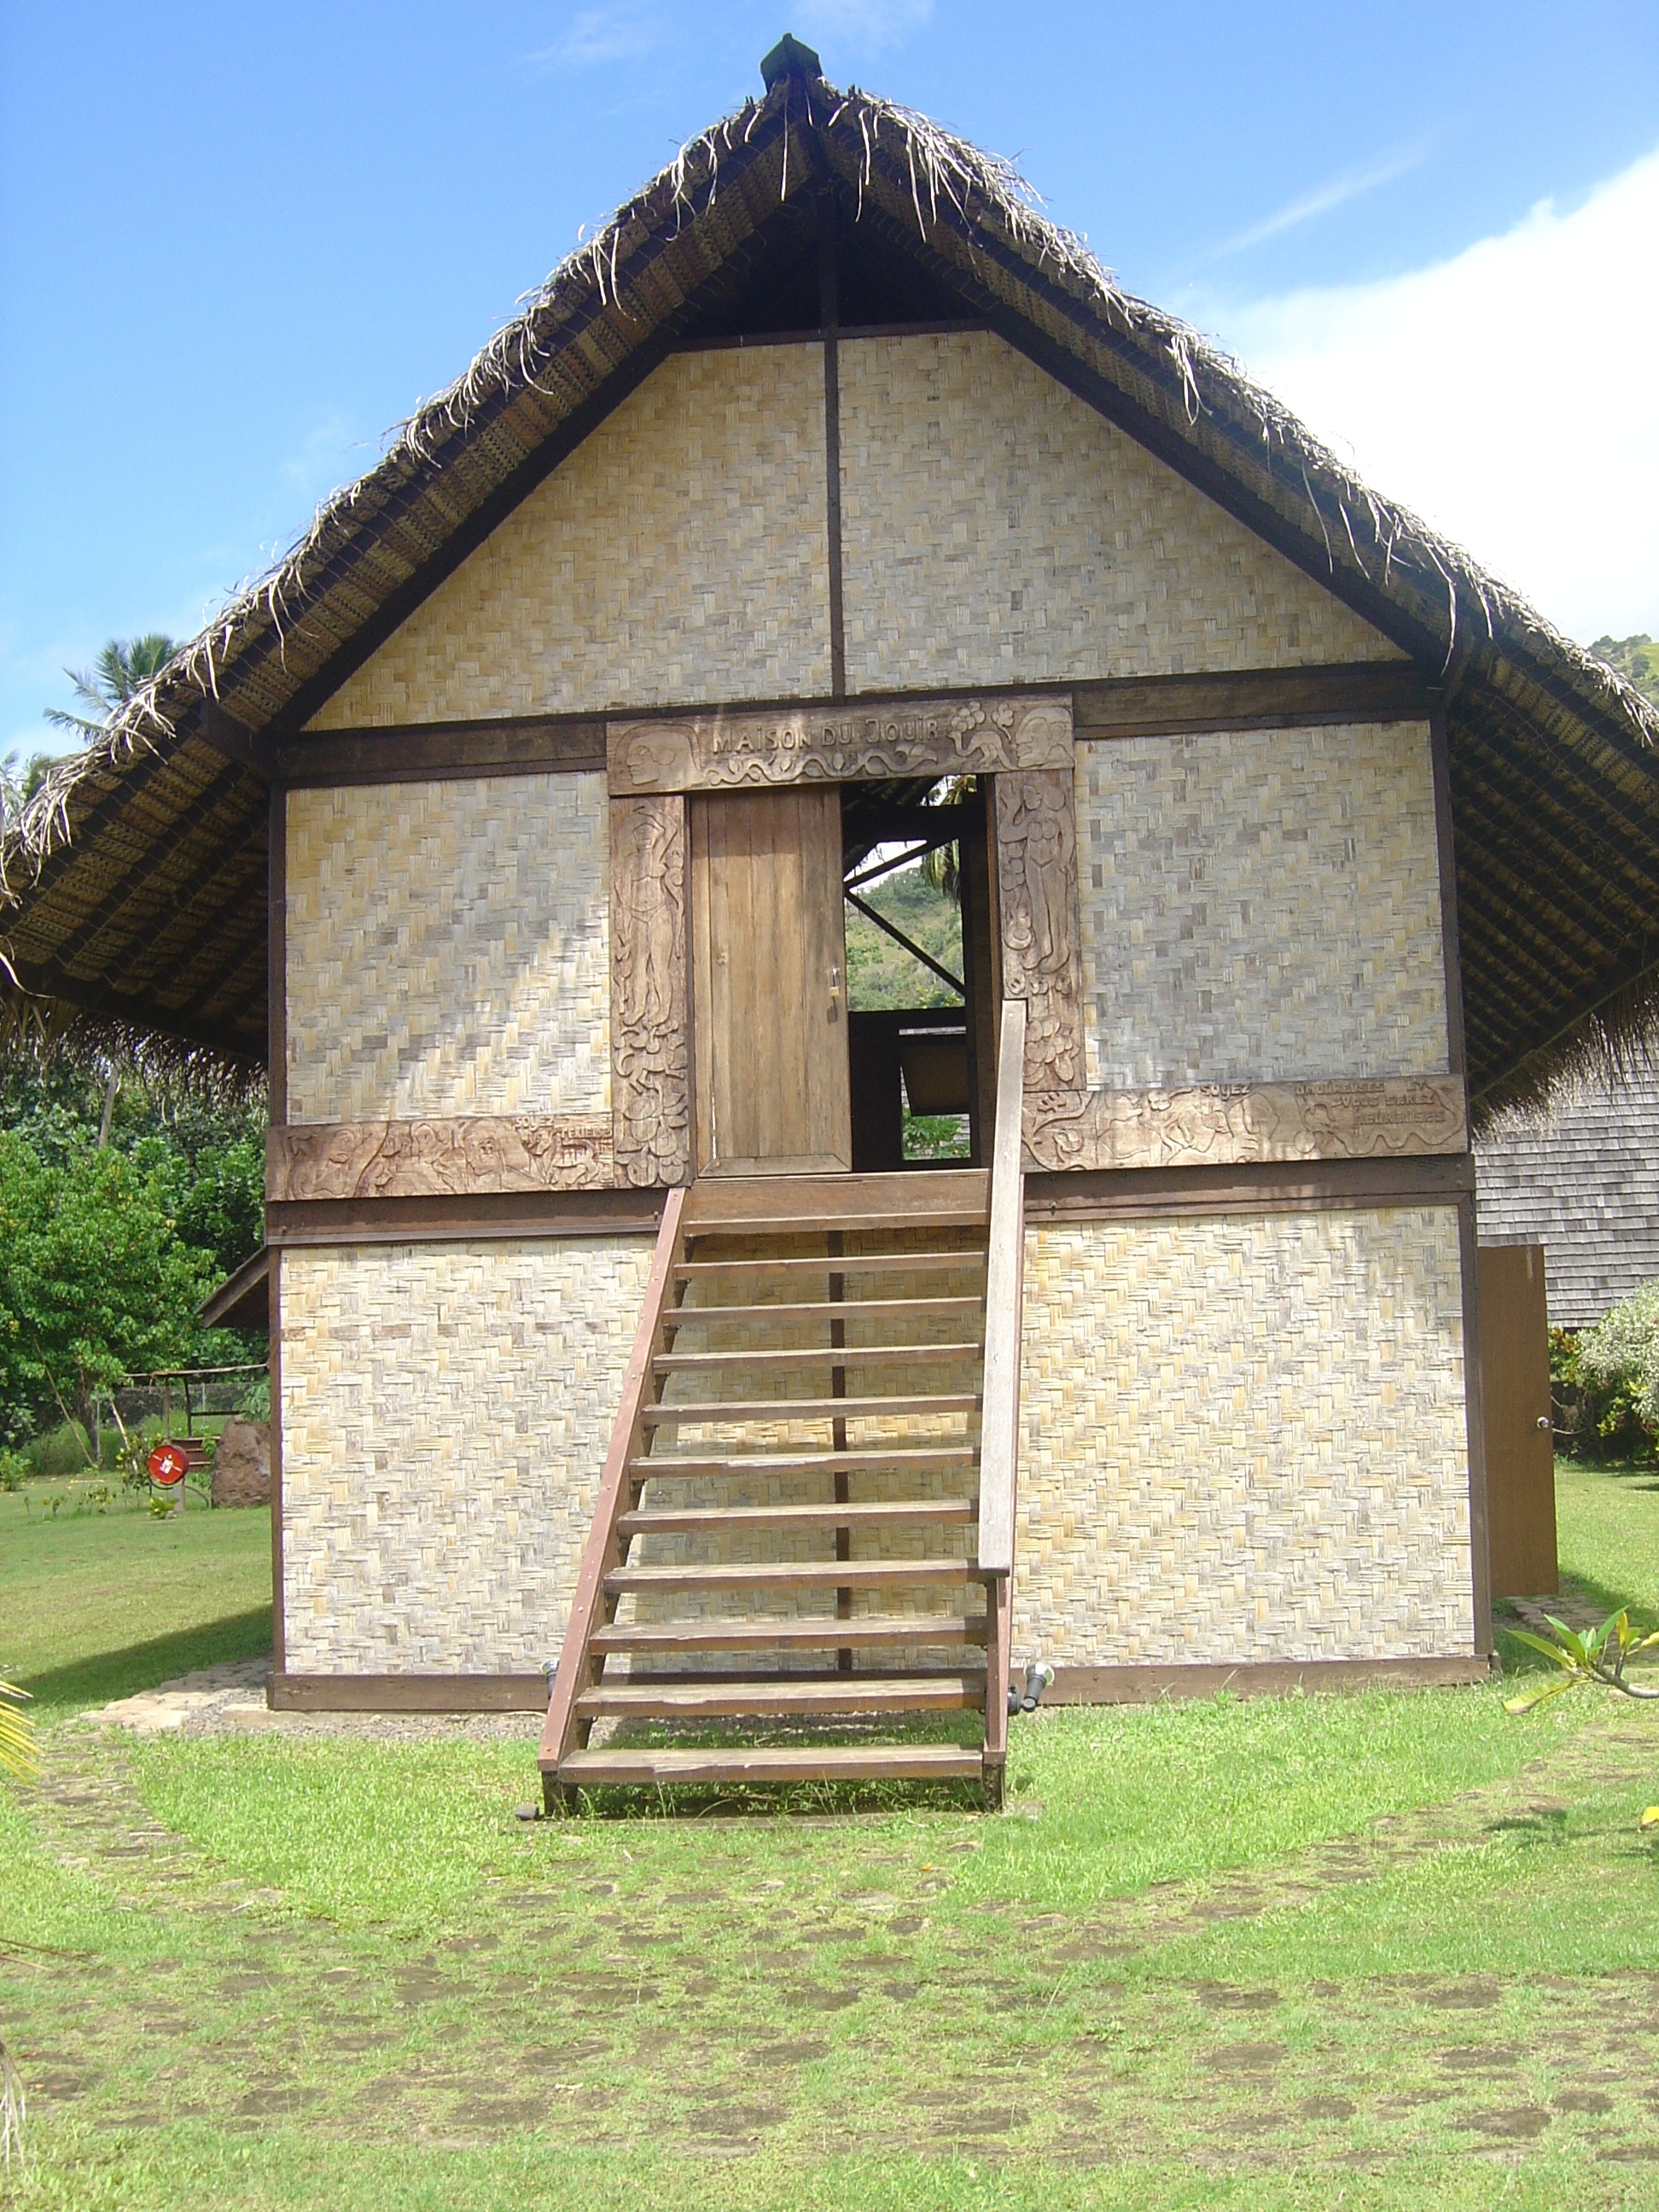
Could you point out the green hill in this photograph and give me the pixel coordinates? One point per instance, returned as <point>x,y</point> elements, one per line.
<point>1637,660</point>
<point>882,973</point>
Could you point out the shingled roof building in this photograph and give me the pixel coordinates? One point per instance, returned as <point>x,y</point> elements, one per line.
<point>1581,1177</point>
<point>832,498</point>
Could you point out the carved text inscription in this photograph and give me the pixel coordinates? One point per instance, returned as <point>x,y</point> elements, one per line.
<point>838,744</point>
<point>440,1158</point>
<point>650,1017</point>
<point>1231,1124</point>
<point>1037,872</point>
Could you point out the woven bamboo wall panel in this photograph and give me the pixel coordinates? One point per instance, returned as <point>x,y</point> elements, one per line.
<point>445,1411</point>
<point>1260,905</point>
<point>448,950</point>
<point>998,531</point>
<point>1244,1440</point>
<point>679,556</point>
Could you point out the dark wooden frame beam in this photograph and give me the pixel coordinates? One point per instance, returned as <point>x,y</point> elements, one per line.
<point>517,745</point>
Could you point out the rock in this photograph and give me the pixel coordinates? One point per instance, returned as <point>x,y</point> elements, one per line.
<point>241,1465</point>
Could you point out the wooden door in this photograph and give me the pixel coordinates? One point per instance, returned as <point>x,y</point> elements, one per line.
<point>770,982</point>
<point>1514,1389</point>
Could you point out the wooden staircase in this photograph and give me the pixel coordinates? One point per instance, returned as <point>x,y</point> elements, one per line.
<point>789,1549</point>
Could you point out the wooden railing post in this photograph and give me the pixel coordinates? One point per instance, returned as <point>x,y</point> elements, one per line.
<point>570,1680</point>
<point>999,1461</point>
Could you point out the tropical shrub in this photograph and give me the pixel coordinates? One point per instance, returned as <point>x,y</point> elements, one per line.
<point>1601,1390</point>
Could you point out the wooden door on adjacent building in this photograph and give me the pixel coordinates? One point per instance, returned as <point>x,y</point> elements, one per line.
<point>770,982</point>
<point>1514,1389</point>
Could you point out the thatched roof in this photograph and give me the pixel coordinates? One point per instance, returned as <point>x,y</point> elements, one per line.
<point>135,881</point>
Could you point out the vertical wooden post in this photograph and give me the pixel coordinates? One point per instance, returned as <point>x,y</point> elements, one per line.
<point>999,1453</point>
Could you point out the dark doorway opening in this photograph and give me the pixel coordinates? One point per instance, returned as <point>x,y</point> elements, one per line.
<point>916,876</point>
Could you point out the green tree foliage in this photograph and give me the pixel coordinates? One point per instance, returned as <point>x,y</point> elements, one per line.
<point>881,974</point>
<point>107,1249</point>
<point>123,667</point>
<point>1637,658</point>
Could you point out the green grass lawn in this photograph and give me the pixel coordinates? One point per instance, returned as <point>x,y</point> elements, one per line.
<point>95,1606</point>
<point>1391,1951</point>
<point>1607,1533</point>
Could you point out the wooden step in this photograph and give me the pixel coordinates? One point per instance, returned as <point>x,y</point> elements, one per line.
<point>792,1206</point>
<point>815,1355</point>
<point>901,1459</point>
<point>852,1263</point>
<point>677,1698</point>
<point>719,1520</point>
<point>792,1574</point>
<point>831,1762</point>
<point>798,1632</point>
<point>809,1409</point>
<point>828,1309</point>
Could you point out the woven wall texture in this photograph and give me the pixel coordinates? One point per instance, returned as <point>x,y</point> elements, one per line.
<point>445,1411</point>
<point>449,949</point>
<point>998,531</point>
<point>1260,905</point>
<point>1244,1439</point>
<point>679,555</point>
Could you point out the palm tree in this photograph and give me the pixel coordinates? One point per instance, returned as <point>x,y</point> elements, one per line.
<point>124,665</point>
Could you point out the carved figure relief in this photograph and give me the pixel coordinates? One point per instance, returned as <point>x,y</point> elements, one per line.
<point>457,1157</point>
<point>650,1020</point>
<point>1036,868</point>
<point>839,745</point>
<point>1228,1125</point>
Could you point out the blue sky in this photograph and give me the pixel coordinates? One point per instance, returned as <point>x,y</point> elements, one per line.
<point>238,243</point>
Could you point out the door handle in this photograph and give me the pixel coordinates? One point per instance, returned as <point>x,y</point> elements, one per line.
<point>835,992</point>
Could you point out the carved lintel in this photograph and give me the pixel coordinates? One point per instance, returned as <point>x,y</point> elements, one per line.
<point>1036,873</point>
<point>735,747</point>
<point>458,1157</point>
<point>1231,1124</point>
<point>650,1015</point>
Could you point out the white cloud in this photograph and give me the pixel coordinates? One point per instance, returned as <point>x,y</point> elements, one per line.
<point>1352,185</point>
<point>1508,394</point>
<point>870,24</point>
<point>603,34</point>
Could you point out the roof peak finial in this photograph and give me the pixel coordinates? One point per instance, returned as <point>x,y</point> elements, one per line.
<point>789,57</point>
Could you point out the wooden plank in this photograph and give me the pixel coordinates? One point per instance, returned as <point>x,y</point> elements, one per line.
<point>1261,1678</point>
<point>869,740</point>
<point>803,1575</point>
<point>768,984</point>
<point>677,1699</point>
<point>855,1263</point>
<point>1445,852</point>
<point>1515,1394</point>
<point>899,1459</point>
<point>277,958</point>
<point>1004,1277</point>
<point>842,1762</point>
<point>793,1633</point>
<point>650,992</point>
<point>817,1355</point>
<point>919,1198</point>
<point>1041,937</point>
<point>406,1693</point>
<point>791,1315</point>
<point>829,319</point>
<point>1215,1124</point>
<point>1248,1187</point>
<point>810,1409</point>
<point>1255,698</point>
<point>601,1552</point>
<point>453,1155</point>
<point>484,1215</point>
<point>278,1600</point>
<point>249,748</point>
<point>1474,1411</point>
<point>724,1519</point>
<point>431,753</point>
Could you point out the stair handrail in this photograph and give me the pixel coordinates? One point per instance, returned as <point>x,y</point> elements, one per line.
<point>998,1463</point>
<point>569,1681</point>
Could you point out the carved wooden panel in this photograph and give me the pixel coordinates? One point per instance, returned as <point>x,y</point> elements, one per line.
<point>964,736</point>
<point>457,1157</point>
<point>650,1017</point>
<point>1041,964</point>
<point>1224,1124</point>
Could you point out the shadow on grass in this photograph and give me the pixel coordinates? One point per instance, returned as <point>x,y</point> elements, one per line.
<point>108,1674</point>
